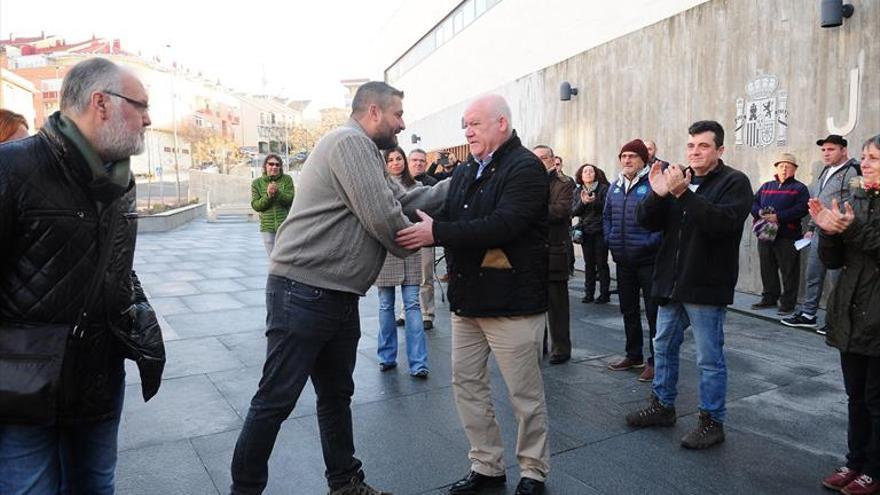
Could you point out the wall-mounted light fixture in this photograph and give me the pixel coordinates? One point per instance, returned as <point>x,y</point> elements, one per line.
<point>415,139</point>
<point>566,91</point>
<point>834,12</point>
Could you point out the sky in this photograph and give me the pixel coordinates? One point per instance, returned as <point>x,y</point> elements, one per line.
<point>302,47</point>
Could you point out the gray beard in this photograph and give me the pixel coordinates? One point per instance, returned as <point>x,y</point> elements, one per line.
<point>114,142</point>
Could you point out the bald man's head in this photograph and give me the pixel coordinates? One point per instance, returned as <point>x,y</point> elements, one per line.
<point>487,124</point>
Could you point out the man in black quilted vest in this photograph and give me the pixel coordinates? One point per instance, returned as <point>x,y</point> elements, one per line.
<point>60,192</point>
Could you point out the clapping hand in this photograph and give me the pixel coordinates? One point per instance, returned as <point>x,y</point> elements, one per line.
<point>657,178</point>
<point>831,220</point>
<point>587,196</point>
<point>677,179</point>
<point>271,189</point>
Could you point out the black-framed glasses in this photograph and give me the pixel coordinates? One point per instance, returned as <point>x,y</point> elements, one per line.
<point>143,107</point>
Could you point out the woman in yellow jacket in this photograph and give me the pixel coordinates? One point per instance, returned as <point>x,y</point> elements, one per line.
<point>271,196</point>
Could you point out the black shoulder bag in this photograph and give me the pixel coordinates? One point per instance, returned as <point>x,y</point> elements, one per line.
<point>32,354</point>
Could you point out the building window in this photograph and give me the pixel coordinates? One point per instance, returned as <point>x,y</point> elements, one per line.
<point>454,23</point>
<point>264,147</point>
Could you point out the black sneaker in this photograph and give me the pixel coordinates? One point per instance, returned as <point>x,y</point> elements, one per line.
<point>799,320</point>
<point>587,299</point>
<point>357,487</point>
<point>400,322</point>
<point>603,299</point>
<point>707,433</point>
<point>656,414</point>
<point>823,330</point>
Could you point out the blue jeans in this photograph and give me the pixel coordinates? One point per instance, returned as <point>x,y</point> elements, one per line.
<point>59,459</point>
<point>311,333</point>
<point>416,345</point>
<point>708,328</point>
<point>814,278</point>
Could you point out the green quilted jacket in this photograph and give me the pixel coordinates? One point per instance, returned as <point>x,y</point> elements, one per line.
<point>272,210</point>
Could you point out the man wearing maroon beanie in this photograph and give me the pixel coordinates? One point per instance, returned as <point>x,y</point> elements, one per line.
<point>634,249</point>
<point>636,146</point>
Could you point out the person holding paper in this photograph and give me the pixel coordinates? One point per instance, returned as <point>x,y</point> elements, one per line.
<point>781,201</point>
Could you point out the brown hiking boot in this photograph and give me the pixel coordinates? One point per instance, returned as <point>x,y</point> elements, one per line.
<point>357,487</point>
<point>656,414</point>
<point>626,364</point>
<point>647,374</point>
<point>707,433</point>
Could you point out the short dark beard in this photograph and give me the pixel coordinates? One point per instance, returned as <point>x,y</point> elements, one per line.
<point>385,142</point>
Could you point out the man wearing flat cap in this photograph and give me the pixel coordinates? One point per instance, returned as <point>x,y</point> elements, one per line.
<point>830,186</point>
<point>781,203</point>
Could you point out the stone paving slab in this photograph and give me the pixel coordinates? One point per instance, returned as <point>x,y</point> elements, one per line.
<point>786,407</point>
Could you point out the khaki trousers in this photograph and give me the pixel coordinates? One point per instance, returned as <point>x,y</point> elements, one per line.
<point>516,343</point>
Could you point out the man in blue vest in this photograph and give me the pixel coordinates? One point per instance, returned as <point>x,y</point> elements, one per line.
<point>634,249</point>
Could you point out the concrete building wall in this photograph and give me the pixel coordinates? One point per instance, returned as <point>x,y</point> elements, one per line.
<point>511,39</point>
<point>654,82</point>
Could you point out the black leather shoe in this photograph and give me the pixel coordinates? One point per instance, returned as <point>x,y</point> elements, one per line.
<point>559,358</point>
<point>428,324</point>
<point>529,486</point>
<point>400,322</point>
<point>387,366</point>
<point>474,482</point>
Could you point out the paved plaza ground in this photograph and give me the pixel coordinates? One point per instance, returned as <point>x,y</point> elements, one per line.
<point>786,425</point>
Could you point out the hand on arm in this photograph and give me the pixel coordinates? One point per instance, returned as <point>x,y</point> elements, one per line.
<point>418,235</point>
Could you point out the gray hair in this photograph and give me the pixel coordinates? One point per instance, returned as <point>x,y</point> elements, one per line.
<point>875,141</point>
<point>545,147</point>
<point>373,93</point>
<point>498,107</point>
<point>86,77</point>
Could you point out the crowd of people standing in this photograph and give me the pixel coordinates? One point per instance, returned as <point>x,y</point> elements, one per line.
<point>366,214</point>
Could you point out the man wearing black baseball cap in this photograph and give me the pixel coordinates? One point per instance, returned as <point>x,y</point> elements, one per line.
<point>831,184</point>
<point>833,139</point>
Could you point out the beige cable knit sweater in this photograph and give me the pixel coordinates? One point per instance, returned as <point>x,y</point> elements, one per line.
<point>345,214</point>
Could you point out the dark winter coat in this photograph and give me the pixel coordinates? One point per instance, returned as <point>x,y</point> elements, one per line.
<point>853,311</point>
<point>698,261</point>
<point>494,229</point>
<point>589,214</point>
<point>629,242</point>
<point>559,224</point>
<point>52,215</point>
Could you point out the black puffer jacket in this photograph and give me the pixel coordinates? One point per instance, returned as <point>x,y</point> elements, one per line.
<point>853,310</point>
<point>495,232</point>
<point>52,217</point>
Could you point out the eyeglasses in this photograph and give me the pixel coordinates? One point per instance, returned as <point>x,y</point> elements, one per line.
<point>143,107</point>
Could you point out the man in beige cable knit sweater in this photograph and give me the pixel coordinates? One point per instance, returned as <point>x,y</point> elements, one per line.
<point>327,254</point>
